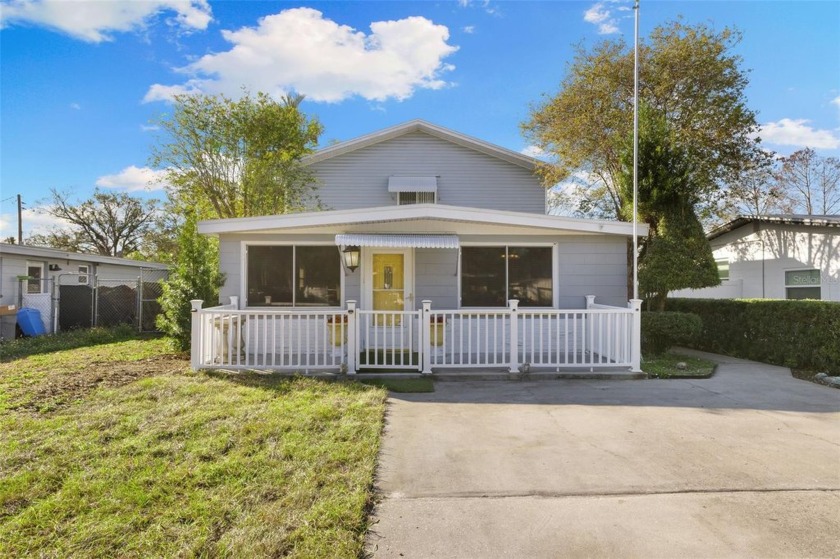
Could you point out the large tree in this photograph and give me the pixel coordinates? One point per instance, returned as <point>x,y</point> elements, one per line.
<point>675,254</point>
<point>238,157</point>
<point>689,73</point>
<point>811,182</point>
<point>107,223</point>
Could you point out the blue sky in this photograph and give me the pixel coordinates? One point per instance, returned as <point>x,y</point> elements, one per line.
<point>81,82</point>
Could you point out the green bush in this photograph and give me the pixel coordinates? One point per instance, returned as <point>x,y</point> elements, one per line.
<point>662,330</point>
<point>796,334</point>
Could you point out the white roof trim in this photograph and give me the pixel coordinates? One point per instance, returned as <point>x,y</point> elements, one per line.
<point>398,240</point>
<point>58,254</point>
<point>348,146</point>
<point>412,184</point>
<point>412,212</point>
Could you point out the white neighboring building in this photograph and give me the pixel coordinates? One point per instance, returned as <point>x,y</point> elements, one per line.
<point>775,257</point>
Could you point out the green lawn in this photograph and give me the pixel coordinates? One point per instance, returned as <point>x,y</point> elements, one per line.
<point>665,366</point>
<point>116,449</point>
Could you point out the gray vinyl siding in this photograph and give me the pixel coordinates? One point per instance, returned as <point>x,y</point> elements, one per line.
<point>466,177</point>
<point>592,265</point>
<point>586,265</point>
<point>436,278</point>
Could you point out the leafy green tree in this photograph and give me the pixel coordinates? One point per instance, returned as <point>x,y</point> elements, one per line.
<point>195,276</point>
<point>689,73</point>
<point>676,253</point>
<point>107,223</point>
<point>238,158</point>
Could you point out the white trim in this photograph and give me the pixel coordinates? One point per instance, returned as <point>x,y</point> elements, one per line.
<point>42,281</point>
<point>243,274</point>
<point>366,269</point>
<point>398,240</point>
<point>55,254</point>
<point>413,212</point>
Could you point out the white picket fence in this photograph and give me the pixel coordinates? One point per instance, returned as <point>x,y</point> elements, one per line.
<point>424,340</point>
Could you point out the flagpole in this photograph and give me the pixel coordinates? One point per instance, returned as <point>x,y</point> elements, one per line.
<point>636,152</point>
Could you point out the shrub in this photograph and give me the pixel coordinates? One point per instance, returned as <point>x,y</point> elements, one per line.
<point>661,330</point>
<point>797,334</point>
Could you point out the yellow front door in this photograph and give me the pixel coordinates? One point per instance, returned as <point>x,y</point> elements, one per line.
<point>388,286</point>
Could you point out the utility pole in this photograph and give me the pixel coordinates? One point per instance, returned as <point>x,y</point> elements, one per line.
<point>20,220</point>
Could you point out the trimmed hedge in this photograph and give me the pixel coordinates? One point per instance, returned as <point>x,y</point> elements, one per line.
<point>796,334</point>
<point>665,329</point>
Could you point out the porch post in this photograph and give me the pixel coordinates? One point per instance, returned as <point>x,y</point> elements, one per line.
<point>352,334</point>
<point>636,336</point>
<point>513,306</point>
<point>426,337</point>
<point>195,333</point>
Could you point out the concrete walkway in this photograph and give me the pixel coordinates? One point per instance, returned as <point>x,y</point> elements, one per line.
<point>744,464</point>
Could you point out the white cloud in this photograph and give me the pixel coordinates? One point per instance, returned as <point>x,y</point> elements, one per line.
<point>836,101</point>
<point>132,179</point>
<point>601,16</point>
<point>75,106</point>
<point>469,29</point>
<point>797,132</point>
<point>96,21</point>
<point>532,151</point>
<point>299,50</point>
<point>149,127</point>
<point>34,220</point>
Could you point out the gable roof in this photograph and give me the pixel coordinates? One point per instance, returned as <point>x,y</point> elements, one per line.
<point>57,254</point>
<point>778,219</point>
<point>413,212</point>
<point>422,126</point>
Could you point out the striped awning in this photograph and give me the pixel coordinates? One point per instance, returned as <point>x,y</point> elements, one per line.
<point>412,184</point>
<point>415,240</point>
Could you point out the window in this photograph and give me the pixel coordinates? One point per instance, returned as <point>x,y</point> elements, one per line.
<point>84,270</point>
<point>36,283</point>
<point>298,276</point>
<point>802,284</point>
<point>492,275</point>
<point>406,198</point>
<point>723,268</point>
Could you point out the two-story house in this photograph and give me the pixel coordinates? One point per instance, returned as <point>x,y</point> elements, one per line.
<point>418,213</point>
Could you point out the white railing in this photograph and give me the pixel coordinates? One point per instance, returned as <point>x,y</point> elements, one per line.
<point>297,340</point>
<point>512,338</point>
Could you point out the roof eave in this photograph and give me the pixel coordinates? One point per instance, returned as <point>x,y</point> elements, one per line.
<point>412,213</point>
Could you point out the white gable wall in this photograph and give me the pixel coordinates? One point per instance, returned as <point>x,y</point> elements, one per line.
<point>467,177</point>
<point>761,253</point>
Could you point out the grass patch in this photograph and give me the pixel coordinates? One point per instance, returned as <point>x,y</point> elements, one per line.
<point>403,385</point>
<point>23,347</point>
<point>665,366</point>
<point>175,463</point>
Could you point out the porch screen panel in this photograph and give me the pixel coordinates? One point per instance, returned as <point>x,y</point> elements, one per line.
<point>270,276</point>
<point>483,277</point>
<point>318,276</point>
<point>529,273</point>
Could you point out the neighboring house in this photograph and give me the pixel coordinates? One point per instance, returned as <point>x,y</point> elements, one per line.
<point>419,213</point>
<point>35,277</point>
<point>775,257</point>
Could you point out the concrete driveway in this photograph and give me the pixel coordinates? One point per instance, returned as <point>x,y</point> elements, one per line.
<point>746,464</point>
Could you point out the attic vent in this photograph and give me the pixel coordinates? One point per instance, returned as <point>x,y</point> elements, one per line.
<point>414,190</point>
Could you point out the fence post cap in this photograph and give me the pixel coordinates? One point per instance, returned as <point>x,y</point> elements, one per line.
<point>196,304</point>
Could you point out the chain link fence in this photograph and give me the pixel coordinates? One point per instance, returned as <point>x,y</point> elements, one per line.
<point>69,301</point>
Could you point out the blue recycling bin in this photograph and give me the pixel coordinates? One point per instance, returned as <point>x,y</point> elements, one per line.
<point>30,322</point>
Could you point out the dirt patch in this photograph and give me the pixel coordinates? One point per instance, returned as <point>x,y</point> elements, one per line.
<point>61,390</point>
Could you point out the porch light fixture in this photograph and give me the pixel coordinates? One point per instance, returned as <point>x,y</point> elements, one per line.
<point>350,256</point>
